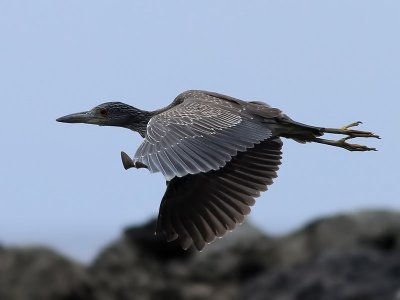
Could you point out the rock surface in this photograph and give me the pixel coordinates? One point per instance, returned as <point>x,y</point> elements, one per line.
<point>349,257</point>
<point>40,274</point>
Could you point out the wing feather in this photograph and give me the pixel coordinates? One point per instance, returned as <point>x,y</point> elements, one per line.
<point>198,208</point>
<point>202,129</point>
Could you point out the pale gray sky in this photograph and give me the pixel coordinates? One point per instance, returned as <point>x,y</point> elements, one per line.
<point>324,63</point>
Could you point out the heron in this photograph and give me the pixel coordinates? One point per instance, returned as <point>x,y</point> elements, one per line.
<point>217,154</point>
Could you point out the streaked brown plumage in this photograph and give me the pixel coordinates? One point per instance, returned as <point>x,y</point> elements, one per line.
<point>216,152</point>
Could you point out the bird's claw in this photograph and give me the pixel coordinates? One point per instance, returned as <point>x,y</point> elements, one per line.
<point>354,124</point>
<point>357,133</point>
<point>128,162</point>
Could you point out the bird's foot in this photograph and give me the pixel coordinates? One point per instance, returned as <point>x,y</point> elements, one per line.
<point>350,132</point>
<point>352,147</point>
<point>128,162</point>
<point>342,143</point>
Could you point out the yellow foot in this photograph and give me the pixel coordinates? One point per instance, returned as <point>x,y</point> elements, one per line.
<point>353,147</point>
<point>350,132</point>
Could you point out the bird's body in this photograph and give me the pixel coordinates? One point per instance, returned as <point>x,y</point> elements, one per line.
<point>216,152</point>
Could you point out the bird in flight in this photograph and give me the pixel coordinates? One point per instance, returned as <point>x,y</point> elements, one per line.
<point>217,154</point>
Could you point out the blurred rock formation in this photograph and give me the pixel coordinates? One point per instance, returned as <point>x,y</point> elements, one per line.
<point>349,257</point>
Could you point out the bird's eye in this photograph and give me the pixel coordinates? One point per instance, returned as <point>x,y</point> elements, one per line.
<point>103,112</point>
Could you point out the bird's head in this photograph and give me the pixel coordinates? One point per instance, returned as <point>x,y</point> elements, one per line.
<point>111,114</point>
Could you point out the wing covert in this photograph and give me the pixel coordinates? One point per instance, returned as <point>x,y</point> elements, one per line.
<point>198,135</point>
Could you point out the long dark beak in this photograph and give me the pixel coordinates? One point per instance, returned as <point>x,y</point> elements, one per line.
<point>82,117</point>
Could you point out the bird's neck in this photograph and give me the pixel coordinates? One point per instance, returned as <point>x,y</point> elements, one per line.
<point>140,118</point>
<point>139,121</point>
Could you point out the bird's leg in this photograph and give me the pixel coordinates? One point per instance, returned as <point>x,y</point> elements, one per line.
<point>350,132</point>
<point>130,163</point>
<point>342,143</point>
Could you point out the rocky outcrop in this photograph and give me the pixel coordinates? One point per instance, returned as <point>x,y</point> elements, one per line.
<point>346,257</point>
<point>379,230</point>
<point>360,273</point>
<point>40,274</point>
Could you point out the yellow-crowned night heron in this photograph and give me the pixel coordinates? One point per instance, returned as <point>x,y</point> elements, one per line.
<point>216,152</point>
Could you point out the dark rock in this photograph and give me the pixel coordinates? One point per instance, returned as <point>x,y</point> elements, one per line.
<point>139,265</point>
<point>142,266</point>
<point>237,257</point>
<point>372,229</point>
<point>347,257</point>
<point>39,274</point>
<point>355,274</point>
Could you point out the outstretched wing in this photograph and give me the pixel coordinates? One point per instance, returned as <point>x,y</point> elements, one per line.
<point>200,134</point>
<point>198,208</point>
